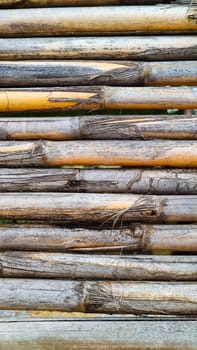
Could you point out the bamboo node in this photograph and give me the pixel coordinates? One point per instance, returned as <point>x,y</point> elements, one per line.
<point>192,11</point>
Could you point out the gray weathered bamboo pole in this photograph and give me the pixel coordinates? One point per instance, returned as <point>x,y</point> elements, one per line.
<point>132,237</point>
<point>103,208</point>
<point>62,73</point>
<point>111,153</point>
<point>95,267</point>
<point>50,3</point>
<point>72,334</point>
<point>137,180</point>
<point>100,127</point>
<point>96,97</point>
<point>175,47</point>
<point>102,296</point>
<point>96,20</point>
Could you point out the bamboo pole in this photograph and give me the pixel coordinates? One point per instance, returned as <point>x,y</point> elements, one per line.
<point>100,127</point>
<point>102,296</point>
<point>175,47</point>
<point>96,20</point>
<point>62,73</point>
<point>50,3</point>
<point>133,237</point>
<point>103,208</point>
<point>111,153</point>
<point>137,180</point>
<point>95,98</point>
<point>95,267</point>
<point>42,334</point>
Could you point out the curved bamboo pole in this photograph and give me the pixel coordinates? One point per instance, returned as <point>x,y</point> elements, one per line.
<point>101,296</point>
<point>182,238</point>
<point>95,267</point>
<point>100,127</point>
<point>114,153</point>
<point>62,73</point>
<point>175,47</point>
<point>96,20</point>
<point>104,208</point>
<point>50,3</point>
<point>138,180</point>
<point>95,98</point>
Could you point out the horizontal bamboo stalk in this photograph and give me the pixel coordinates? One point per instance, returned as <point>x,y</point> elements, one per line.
<point>175,47</point>
<point>63,73</point>
<point>102,296</point>
<point>96,20</point>
<point>103,267</point>
<point>100,127</point>
<point>97,334</point>
<point>30,315</point>
<point>133,237</point>
<point>56,3</point>
<point>111,153</point>
<point>138,180</point>
<point>96,97</point>
<point>103,208</point>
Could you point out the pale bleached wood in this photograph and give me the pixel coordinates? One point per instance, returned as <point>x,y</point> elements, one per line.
<point>103,208</point>
<point>132,237</point>
<point>137,180</point>
<point>122,73</point>
<point>71,334</point>
<point>96,98</point>
<point>54,238</point>
<point>99,296</point>
<point>175,47</point>
<point>95,267</point>
<point>96,20</point>
<point>103,127</point>
<point>50,3</point>
<point>43,153</point>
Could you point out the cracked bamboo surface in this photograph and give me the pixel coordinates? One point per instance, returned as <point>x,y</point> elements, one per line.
<point>127,180</point>
<point>99,296</point>
<point>50,3</point>
<point>136,334</point>
<point>43,153</point>
<point>175,47</point>
<point>96,98</point>
<point>96,20</point>
<point>62,73</point>
<point>100,127</point>
<point>133,237</point>
<point>95,267</point>
<point>103,208</point>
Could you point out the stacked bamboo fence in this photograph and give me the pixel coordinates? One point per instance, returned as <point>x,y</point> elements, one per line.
<point>89,197</point>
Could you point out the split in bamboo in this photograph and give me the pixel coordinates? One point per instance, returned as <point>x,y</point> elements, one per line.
<point>175,47</point>
<point>100,127</point>
<point>127,180</point>
<point>103,208</point>
<point>49,3</point>
<point>99,296</point>
<point>95,267</point>
<point>63,73</point>
<point>181,154</point>
<point>96,98</point>
<point>133,237</point>
<point>96,20</point>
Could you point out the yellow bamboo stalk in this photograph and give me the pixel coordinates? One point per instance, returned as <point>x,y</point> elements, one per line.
<point>96,20</point>
<point>95,98</point>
